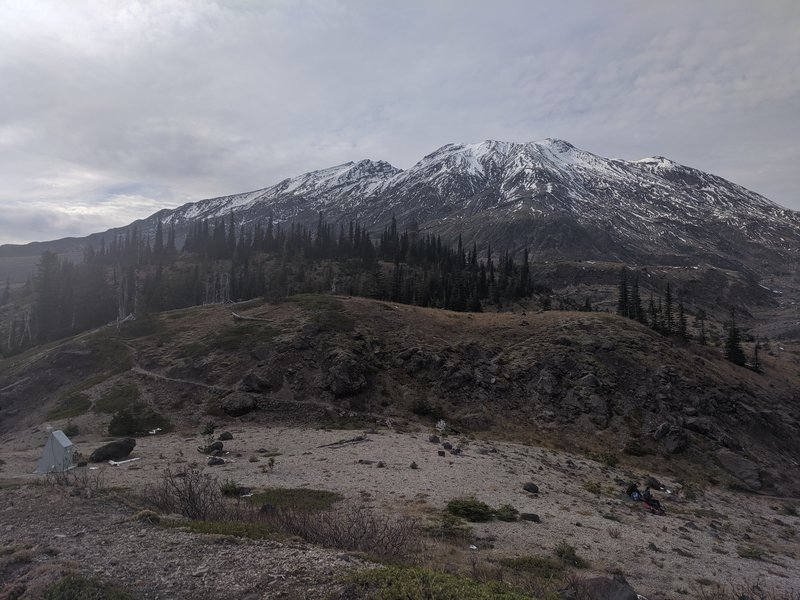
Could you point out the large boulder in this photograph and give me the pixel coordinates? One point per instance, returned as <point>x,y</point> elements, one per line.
<point>238,404</point>
<point>744,469</point>
<point>673,438</point>
<point>117,450</point>
<point>346,377</point>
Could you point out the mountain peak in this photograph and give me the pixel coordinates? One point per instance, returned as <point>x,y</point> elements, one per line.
<point>557,144</point>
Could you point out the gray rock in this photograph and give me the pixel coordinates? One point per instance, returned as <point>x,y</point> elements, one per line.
<point>117,450</point>
<point>531,487</point>
<point>215,460</point>
<point>532,517</point>
<point>600,588</point>
<point>213,447</point>
<point>346,377</point>
<point>252,383</point>
<point>744,469</point>
<point>653,483</point>
<point>434,439</point>
<point>661,431</point>
<point>442,453</point>
<point>676,440</point>
<point>701,425</point>
<point>589,380</point>
<point>447,446</point>
<point>238,404</point>
<point>225,436</point>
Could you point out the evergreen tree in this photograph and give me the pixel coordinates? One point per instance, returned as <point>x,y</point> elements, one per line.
<point>635,310</point>
<point>47,296</point>
<point>756,364</point>
<point>682,333</point>
<point>733,342</point>
<point>700,323</point>
<point>669,320</point>
<point>622,297</point>
<point>158,245</point>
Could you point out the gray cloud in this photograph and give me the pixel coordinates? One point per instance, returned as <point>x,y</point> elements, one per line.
<point>178,100</point>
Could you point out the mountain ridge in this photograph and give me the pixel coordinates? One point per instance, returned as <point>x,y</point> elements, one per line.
<point>561,202</point>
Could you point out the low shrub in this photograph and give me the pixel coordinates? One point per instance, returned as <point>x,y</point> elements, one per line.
<point>450,527</point>
<point>593,487</point>
<point>471,509</point>
<point>543,567</point>
<point>750,552</point>
<point>417,583</point>
<point>242,529</point>
<point>567,554</point>
<point>377,534</point>
<point>229,488</point>
<point>138,420</point>
<point>77,587</point>
<point>188,492</point>
<point>507,513</point>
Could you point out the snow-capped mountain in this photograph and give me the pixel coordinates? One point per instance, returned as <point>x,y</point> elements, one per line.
<point>557,200</point>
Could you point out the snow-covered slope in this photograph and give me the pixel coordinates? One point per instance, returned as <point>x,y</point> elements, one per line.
<point>549,196</point>
<point>558,200</point>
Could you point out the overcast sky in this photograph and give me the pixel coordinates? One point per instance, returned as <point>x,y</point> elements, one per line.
<point>111,110</point>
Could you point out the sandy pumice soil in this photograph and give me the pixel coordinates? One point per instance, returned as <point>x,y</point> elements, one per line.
<point>698,543</point>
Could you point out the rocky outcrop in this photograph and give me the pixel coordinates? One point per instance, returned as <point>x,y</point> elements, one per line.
<point>744,469</point>
<point>117,450</point>
<point>238,404</point>
<point>346,376</point>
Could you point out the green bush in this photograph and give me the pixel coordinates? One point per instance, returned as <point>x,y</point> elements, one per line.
<point>543,567</point>
<point>450,527</point>
<point>416,583</point>
<point>593,487</point>
<point>566,552</point>
<point>71,430</point>
<point>241,529</point>
<point>229,488</point>
<point>77,587</point>
<point>507,513</point>
<point>470,509</point>
<point>750,552</point>
<point>138,420</point>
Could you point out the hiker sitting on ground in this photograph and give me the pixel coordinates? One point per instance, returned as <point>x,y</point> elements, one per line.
<point>633,491</point>
<point>651,502</point>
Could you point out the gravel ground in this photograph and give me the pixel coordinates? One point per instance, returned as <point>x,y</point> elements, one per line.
<point>697,542</point>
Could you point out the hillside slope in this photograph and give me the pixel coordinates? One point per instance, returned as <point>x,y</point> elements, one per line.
<point>587,382</point>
